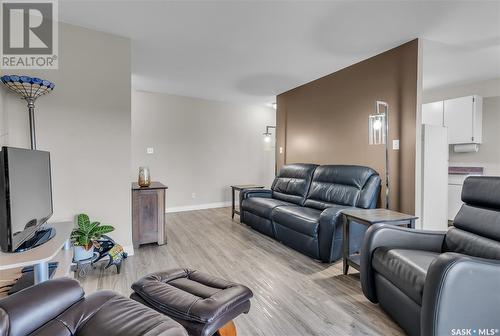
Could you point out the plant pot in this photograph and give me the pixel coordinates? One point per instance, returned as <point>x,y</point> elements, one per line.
<point>80,253</point>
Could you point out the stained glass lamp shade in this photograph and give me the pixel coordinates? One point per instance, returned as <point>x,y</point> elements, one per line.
<point>30,88</point>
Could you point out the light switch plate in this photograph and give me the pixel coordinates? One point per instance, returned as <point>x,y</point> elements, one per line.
<point>150,150</point>
<point>395,144</point>
<point>281,150</point>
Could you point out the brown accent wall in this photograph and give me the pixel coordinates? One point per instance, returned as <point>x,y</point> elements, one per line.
<point>326,121</point>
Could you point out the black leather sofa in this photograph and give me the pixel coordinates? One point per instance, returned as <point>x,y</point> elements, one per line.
<point>440,283</point>
<point>303,207</point>
<point>59,308</point>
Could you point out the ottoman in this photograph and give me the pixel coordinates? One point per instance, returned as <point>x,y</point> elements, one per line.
<point>201,303</point>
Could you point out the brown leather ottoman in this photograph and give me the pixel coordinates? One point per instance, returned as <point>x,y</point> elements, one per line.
<point>201,303</point>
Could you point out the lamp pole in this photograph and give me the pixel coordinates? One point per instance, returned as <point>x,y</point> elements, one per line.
<point>31,111</point>
<point>386,106</point>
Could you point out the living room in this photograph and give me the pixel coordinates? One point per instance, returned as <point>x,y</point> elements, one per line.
<point>250,168</point>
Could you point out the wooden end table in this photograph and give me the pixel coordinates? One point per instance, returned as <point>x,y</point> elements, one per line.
<point>369,217</point>
<point>239,188</point>
<point>148,214</point>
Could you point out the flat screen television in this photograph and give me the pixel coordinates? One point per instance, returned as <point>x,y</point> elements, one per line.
<point>25,198</point>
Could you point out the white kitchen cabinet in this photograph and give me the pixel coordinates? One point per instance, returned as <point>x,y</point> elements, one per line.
<point>433,113</point>
<point>463,117</point>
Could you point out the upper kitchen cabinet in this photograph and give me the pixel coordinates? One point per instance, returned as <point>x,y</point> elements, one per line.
<point>463,117</point>
<point>433,113</point>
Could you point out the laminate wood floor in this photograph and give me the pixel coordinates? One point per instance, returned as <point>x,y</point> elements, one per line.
<point>293,294</point>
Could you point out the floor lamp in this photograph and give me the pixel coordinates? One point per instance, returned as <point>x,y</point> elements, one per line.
<point>378,132</point>
<point>30,88</point>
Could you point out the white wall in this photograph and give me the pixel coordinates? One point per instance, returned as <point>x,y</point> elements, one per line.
<point>85,124</point>
<point>200,146</point>
<point>489,151</point>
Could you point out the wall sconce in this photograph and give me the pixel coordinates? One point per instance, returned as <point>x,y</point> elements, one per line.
<point>378,133</point>
<point>267,134</point>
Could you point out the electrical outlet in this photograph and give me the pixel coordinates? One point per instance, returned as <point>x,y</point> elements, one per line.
<point>150,150</point>
<point>193,195</point>
<point>281,150</point>
<point>395,144</point>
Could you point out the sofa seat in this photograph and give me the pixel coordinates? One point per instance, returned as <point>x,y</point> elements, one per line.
<point>297,218</point>
<point>262,206</point>
<point>406,269</point>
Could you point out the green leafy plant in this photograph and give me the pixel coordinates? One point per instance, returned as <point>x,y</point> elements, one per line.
<point>88,232</point>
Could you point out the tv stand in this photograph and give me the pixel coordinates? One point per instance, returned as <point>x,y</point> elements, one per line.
<point>40,256</point>
<point>41,236</point>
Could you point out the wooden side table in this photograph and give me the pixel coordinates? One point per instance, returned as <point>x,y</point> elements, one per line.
<point>369,217</point>
<point>148,214</point>
<point>239,188</point>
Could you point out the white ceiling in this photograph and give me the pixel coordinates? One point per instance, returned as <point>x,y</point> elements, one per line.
<point>251,51</point>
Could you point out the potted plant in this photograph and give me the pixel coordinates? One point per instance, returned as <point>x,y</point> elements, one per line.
<point>84,236</point>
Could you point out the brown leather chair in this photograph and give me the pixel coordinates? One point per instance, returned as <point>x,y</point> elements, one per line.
<point>59,308</point>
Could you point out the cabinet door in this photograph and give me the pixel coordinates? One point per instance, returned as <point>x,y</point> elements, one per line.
<point>148,216</point>
<point>459,118</point>
<point>432,113</point>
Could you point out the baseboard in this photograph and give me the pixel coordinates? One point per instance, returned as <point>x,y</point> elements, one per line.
<point>129,249</point>
<point>198,207</point>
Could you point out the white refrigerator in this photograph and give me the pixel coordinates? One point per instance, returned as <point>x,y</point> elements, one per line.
<point>435,154</point>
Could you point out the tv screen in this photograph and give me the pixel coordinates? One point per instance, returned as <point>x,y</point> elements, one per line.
<point>25,195</point>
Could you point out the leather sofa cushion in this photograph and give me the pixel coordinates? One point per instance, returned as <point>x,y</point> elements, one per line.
<point>106,313</point>
<point>28,312</point>
<point>482,191</point>
<point>261,206</point>
<point>191,295</point>
<point>406,269</point>
<point>300,219</point>
<point>343,185</point>
<point>481,221</point>
<point>292,182</point>
<point>464,242</point>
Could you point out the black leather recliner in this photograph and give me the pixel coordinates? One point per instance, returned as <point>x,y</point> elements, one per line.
<point>438,283</point>
<point>303,207</point>
<point>59,308</point>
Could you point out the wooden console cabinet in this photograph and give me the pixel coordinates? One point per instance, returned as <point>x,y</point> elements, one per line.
<point>148,214</point>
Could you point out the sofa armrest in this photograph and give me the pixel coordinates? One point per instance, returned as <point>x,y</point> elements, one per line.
<point>32,307</point>
<point>379,235</point>
<point>461,292</point>
<point>330,221</point>
<point>255,192</point>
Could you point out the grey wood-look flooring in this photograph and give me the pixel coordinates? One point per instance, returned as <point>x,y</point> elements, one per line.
<point>293,294</point>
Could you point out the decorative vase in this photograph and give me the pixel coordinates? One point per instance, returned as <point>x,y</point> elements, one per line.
<point>80,253</point>
<point>144,177</point>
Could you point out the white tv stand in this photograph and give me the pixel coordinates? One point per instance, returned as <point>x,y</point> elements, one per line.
<point>55,249</point>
